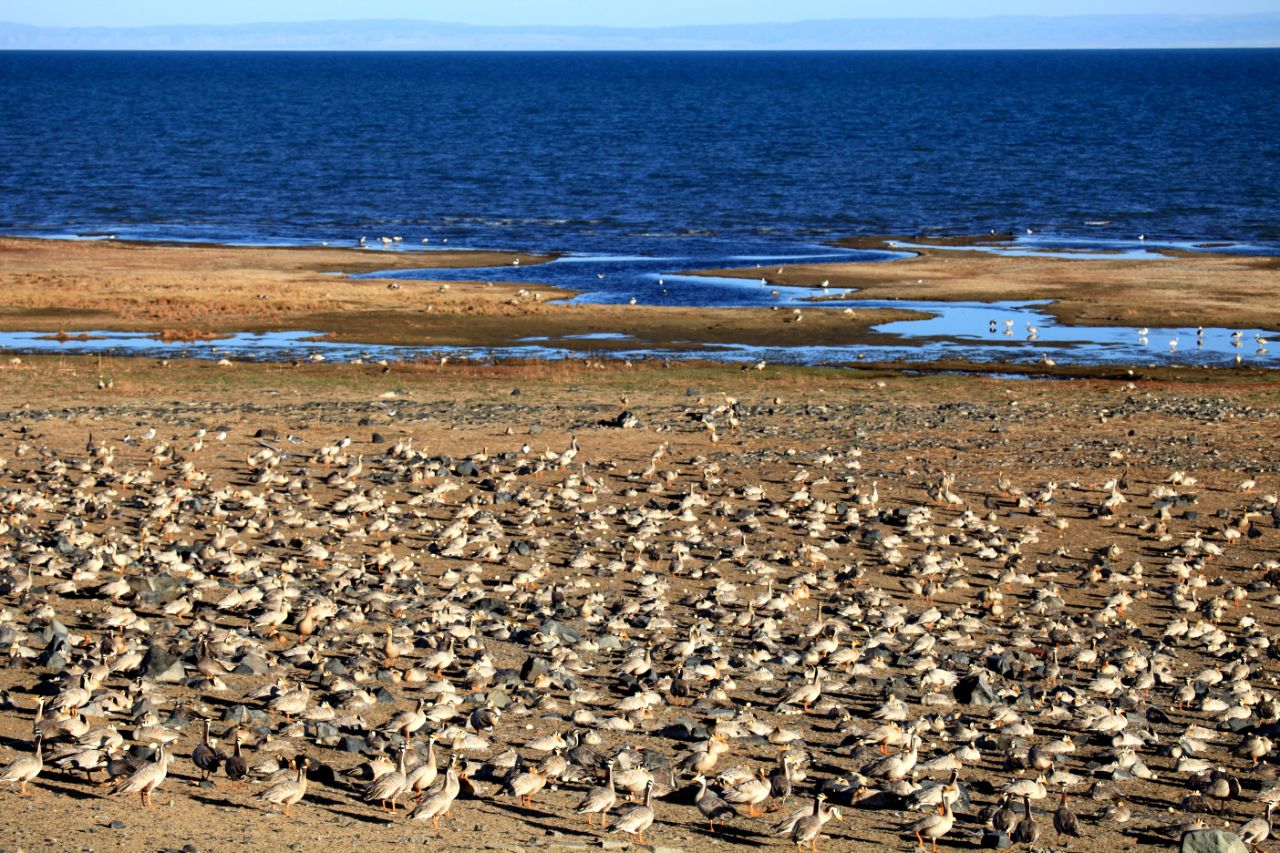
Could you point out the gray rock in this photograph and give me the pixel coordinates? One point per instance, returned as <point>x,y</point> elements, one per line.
<point>533,667</point>
<point>353,744</point>
<point>54,660</point>
<point>974,690</point>
<point>325,734</point>
<point>162,665</point>
<point>1212,841</point>
<point>992,840</point>
<point>253,664</point>
<point>242,714</point>
<point>560,631</point>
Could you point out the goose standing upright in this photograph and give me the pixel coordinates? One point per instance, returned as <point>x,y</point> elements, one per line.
<point>933,826</point>
<point>389,786</point>
<point>1026,831</point>
<point>711,804</point>
<point>236,765</point>
<point>204,757</point>
<point>290,791</point>
<point>438,799</point>
<point>1064,819</point>
<point>808,828</point>
<point>635,818</point>
<point>25,768</point>
<point>600,799</point>
<point>146,778</point>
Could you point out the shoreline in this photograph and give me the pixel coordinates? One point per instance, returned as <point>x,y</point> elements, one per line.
<point>193,292</point>
<point>1176,289</point>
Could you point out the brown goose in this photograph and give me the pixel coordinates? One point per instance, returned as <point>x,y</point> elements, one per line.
<point>1004,819</point>
<point>25,768</point>
<point>524,785</point>
<point>289,791</point>
<point>599,800</point>
<point>1258,829</point>
<point>1065,821</point>
<point>204,757</point>
<point>933,826</point>
<point>780,781</point>
<point>750,793</point>
<point>808,829</point>
<point>146,778</point>
<point>389,786</point>
<point>236,765</point>
<point>712,805</point>
<point>635,818</point>
<point>425,774</point>
<point>438,799</point>
<point>1026,831</point>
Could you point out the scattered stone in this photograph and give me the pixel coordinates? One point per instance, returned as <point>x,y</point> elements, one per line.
<point>1212,841</point>
<point>992,840</point>
<point>625,420</point>
<point>560,631</point>
<point>160,664</point>
<point>974,690</point>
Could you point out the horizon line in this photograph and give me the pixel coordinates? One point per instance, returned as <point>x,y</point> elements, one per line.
<point>765,23</point>
<point>1016,33</point>
<point>1140,49</point>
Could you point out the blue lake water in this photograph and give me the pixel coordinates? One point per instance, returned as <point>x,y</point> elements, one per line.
<point>630,153</point>
<point>639,166</point>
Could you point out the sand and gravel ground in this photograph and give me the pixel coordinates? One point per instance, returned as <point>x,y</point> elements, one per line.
<point>815,442</point>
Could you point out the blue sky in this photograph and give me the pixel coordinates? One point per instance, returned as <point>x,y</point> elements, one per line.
<point>75,13</point>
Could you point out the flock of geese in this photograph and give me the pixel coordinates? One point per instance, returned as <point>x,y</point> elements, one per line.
<point>679,641</point>
<point>1143,336</point>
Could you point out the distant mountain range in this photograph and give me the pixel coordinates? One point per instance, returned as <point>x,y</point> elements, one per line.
<point>996,33</point>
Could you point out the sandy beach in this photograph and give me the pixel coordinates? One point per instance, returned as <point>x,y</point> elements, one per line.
<point>67,286</point>
<point>1175,288</point>
<point>192,291</point>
